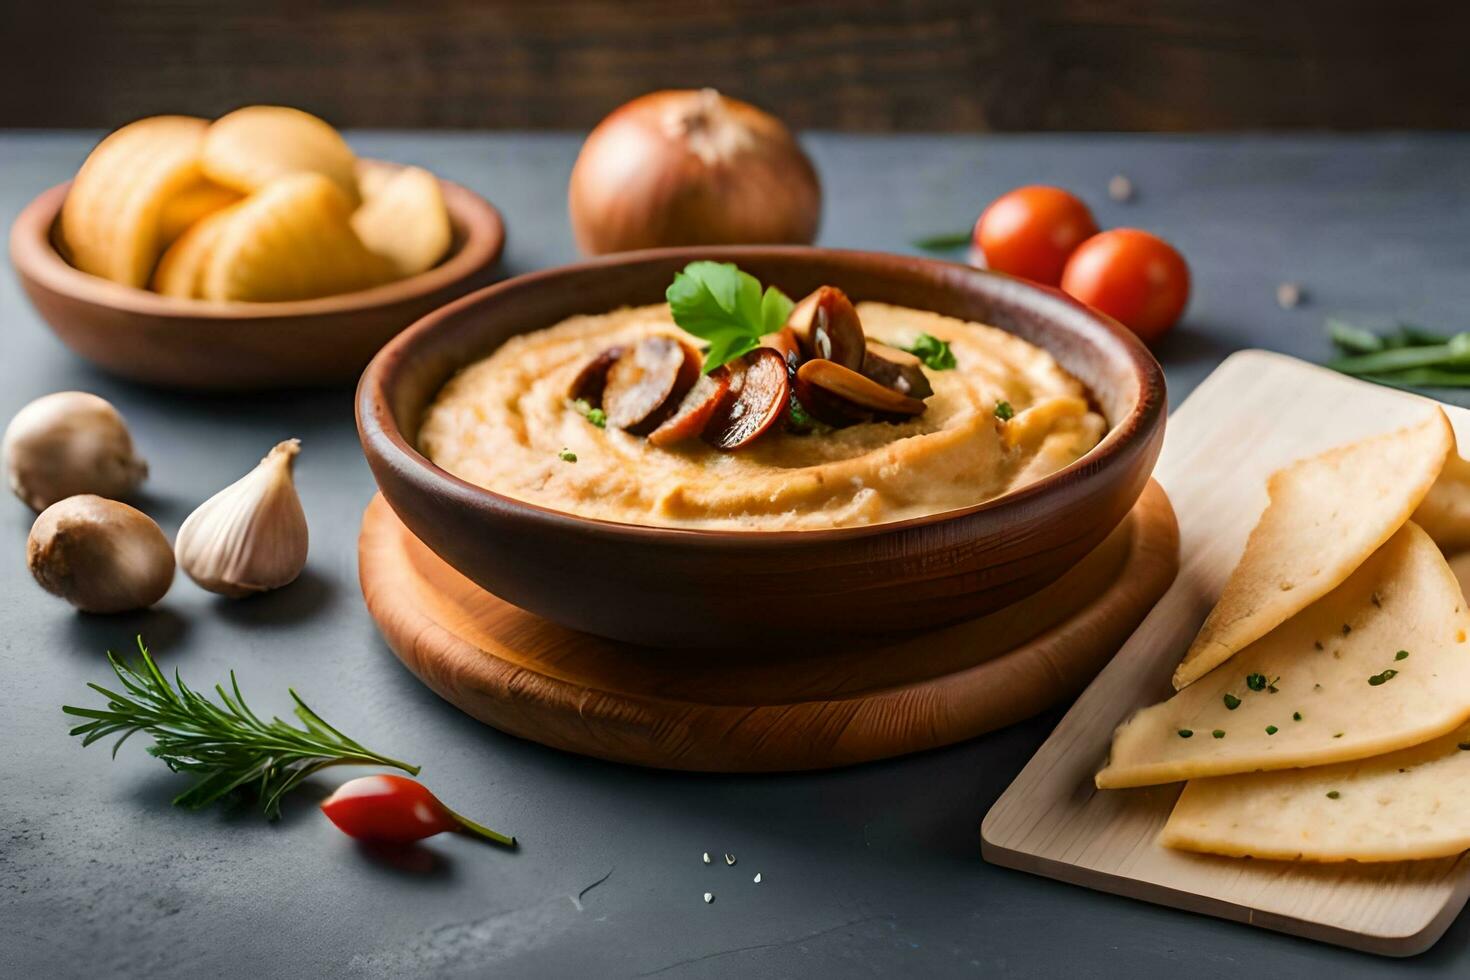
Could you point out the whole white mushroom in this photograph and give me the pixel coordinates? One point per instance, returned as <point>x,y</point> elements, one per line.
<point>69,443</point>
<point>100,555</point>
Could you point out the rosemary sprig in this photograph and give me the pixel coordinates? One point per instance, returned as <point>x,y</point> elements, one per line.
<point>226,745</point>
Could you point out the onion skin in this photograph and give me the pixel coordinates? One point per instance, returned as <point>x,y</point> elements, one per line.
<point>691,167</point>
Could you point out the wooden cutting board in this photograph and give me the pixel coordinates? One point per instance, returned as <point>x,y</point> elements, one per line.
<point>755,710</point>
<point>1255,414</point>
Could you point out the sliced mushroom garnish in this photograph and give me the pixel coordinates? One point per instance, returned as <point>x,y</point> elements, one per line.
<point>826,407</point>
<point>851,387</point>
<point>693,414</point>
<point>647,382</point>
<point>590,381</point>
<point>896,369</point>
<point>755,401</point>
<point>784,342</point>
<point>828,327</point>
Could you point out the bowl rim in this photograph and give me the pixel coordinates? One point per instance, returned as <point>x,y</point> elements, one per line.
<point>34,254</point>
<point>377,426</point>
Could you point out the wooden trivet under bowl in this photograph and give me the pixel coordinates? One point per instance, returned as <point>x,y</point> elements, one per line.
<point>752,710</point>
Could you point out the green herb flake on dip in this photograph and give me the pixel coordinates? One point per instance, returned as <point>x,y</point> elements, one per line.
<point>501,422</point>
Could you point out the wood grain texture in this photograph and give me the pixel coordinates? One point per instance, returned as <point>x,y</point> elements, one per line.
<point>1255,414</point>
<point>962,65</point>
<point>759,710</point>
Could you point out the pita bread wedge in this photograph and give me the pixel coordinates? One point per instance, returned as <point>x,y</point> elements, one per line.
<point>1445,511</point>
<point>1327,514</point>
<point>1460,565</point>
<point>1378,664</point>
<point>1406,805</point>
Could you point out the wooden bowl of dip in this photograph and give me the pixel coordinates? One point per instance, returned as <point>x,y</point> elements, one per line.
<point>192,343</point>
<point>679,587</point>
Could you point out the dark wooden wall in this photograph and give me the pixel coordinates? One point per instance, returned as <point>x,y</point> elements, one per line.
<point>905,65</point>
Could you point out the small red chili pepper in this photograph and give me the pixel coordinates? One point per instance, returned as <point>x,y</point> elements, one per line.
<point>395,809</point>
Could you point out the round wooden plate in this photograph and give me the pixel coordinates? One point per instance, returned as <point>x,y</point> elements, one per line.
<point>759,710</point>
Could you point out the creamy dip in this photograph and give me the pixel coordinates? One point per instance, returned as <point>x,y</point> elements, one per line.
<point>503,422</point>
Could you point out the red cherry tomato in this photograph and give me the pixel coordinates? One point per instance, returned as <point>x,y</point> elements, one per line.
<point>1136,278</point>
<point>1031,231</point>
<point>395,809</point>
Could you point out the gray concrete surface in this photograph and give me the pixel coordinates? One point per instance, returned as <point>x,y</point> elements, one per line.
<point>872,871</point>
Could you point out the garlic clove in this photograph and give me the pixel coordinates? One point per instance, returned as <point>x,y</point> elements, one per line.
<point>69,443</point>
<point>251,536</point>
<point>100,555</point>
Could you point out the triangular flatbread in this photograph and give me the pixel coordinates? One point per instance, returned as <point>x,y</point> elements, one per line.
<point>1327,514</point>
<point>1378,664</point>
<point>1444,513</point>
<point>1460,565</point>
<point>1406,805</point>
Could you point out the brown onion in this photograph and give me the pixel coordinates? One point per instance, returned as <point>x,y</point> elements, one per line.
<point>687,167</point>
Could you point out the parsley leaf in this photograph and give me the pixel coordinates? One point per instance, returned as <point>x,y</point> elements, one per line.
<point>720,304</point>
<point>776,308</point>
<point>594,415</point>
<point>935,353</point>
